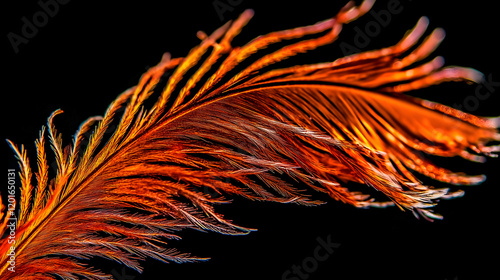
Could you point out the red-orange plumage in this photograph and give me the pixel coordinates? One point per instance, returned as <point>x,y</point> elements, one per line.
<point>319,125</point>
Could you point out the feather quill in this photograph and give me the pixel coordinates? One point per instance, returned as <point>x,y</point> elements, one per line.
<point>321,125</point>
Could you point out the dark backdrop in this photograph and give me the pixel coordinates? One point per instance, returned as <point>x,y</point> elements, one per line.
<point>91,51</point>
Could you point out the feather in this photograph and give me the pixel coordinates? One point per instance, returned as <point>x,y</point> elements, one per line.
<point>241,126</point>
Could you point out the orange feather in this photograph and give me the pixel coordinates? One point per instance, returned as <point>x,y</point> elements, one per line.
<point>238,127</point>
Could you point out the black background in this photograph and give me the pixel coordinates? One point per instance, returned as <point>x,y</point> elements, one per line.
<point>91,51</point>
